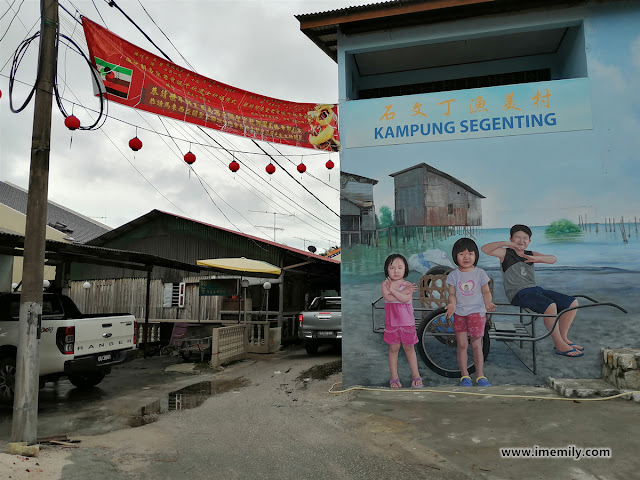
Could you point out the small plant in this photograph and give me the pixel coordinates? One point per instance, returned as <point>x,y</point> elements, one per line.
<point>563,227</point>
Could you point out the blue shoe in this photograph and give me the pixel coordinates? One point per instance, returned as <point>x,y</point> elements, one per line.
<point>482,382</point>
<point>466,382</point>
<point>568,352</point>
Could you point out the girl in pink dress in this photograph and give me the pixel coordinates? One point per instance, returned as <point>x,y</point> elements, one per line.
<point>399,321</point>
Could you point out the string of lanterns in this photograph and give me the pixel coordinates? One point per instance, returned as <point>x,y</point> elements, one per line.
<point>73,123</point>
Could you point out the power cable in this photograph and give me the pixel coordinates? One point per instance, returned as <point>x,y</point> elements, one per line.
<point>165,36</point>
<point>311,175</point>
<point>99,14</point>
<point>268,200</point>
<point>10,9</point>
<point>305,188</point>
<point>112,3</point>
<point>208,146</point>
<point>11,22</point>
<point>206,191</point>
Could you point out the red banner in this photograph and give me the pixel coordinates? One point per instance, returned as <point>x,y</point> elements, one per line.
<point>139,79</point>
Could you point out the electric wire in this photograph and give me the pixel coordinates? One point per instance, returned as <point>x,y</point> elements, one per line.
<point>77,48</point>
<point>112,3</point>
<point>183,126</point>
<point>9,8</point>
<point>292,202</point>
<point>307,172</point>
<point>205,189</point>
<point>11,22</point>
<point>165,36</point>
<point>99,14</point>
<point>305,188</point>
<point>253,190</point>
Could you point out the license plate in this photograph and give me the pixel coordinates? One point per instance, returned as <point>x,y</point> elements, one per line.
<point>326,334</point>
<point>104,358</point>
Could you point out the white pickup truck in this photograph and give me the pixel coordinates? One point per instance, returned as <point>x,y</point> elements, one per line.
<point>81,347</point>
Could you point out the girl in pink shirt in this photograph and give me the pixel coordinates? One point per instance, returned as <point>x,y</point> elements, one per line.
<point>399,320</point>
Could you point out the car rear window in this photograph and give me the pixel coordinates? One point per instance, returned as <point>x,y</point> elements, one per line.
<point>325,304</point>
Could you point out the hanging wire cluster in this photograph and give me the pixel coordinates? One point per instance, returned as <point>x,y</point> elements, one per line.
<point>73,123</point>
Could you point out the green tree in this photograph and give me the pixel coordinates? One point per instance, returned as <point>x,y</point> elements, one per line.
<point>562,227</point>
<point>386,218</point>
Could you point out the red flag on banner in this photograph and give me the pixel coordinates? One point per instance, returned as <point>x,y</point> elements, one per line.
<point>139,79</point>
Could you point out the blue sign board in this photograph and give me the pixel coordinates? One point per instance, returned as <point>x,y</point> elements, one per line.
<point>541,107</point>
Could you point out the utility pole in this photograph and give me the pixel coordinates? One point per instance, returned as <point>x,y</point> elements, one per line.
<point>25,405</point>
<point>274,220</point>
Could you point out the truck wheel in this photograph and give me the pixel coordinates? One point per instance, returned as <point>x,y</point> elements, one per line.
<point>86,380</point>
<point>311,347</point>
<point>7,380</point>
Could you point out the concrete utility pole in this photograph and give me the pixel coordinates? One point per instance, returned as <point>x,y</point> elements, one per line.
<point>25,405</point>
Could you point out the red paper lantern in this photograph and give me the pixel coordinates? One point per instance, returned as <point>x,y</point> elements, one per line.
<point>72,122</point>
<point>234,166</point>
<point>135,144</point>
<point>270,168</point>
<point>302,167</point>
<point>189,158</point>
<point>330,165</point>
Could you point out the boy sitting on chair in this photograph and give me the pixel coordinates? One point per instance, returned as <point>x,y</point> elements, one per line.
<point>518,275</point>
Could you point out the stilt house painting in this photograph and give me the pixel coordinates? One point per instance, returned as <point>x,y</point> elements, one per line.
<point>357,209</point>
<point>427,196</point>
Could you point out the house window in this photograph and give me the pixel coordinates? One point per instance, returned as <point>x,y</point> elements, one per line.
<point>173,295</point>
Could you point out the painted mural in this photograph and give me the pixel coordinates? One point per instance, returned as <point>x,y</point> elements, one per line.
<point>438,167</point>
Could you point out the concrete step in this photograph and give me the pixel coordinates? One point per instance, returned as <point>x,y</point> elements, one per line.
<point>589,388</point>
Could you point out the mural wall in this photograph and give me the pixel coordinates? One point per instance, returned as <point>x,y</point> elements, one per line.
<point>560,156</point>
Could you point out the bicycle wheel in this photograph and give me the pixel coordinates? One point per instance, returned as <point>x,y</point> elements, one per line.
<point>437,345</point>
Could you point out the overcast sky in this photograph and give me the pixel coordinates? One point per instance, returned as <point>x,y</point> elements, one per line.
<point>253,45</point>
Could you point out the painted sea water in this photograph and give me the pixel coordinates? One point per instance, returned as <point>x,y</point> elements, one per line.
<point>586,251</point>
<point>599,265</point>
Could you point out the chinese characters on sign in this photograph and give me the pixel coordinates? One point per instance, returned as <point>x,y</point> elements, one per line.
<point>475,105</point>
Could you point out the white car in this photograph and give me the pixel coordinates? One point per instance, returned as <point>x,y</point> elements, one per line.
<point>81,347</point>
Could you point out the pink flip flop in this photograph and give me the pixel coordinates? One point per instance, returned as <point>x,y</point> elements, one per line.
<point>395,383</point>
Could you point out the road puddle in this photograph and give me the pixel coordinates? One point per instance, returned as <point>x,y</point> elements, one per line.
<point>194,395</point>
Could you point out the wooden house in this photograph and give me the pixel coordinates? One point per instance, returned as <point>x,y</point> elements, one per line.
<point>427,196</point>
<point>357,209</point>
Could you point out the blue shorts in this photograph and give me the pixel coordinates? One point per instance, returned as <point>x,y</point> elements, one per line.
<point>538,299</point>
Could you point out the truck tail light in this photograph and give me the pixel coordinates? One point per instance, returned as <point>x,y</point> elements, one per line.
<point>65,340</point>
<point>135,333</point>
<point>300,319</point>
